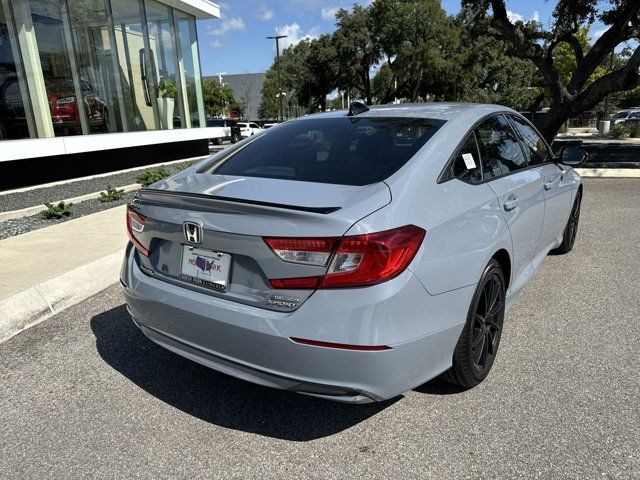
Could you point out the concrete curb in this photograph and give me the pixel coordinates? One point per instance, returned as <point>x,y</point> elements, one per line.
<point>609,172</point>
<point>37,303</point>
<point>25,212</point>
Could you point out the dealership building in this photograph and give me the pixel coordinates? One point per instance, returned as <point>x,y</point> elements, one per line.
<point>105,80</point>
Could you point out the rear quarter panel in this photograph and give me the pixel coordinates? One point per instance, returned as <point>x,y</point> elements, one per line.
<point>464,223</point>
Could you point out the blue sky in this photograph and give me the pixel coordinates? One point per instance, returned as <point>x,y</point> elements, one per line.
<point>236,42</point>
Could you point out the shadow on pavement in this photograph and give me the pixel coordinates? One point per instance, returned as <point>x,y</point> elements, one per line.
<point>218,398</point>
<point>437,386</point>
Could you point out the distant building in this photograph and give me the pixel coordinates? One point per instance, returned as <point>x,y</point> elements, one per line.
<point>247,90</point>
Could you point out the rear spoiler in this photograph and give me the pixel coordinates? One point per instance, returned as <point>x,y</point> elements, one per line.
<point>156,196</point>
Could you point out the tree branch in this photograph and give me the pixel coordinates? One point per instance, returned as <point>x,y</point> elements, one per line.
<point>619,32</point>
<point>529,50</point>
<point>625,78</point>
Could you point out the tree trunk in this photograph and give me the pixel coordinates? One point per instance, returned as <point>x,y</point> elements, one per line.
<point>550,124</point>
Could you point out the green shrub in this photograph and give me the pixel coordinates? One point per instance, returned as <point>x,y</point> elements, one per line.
<point>154,175</point>
<point>634,130</point>
<point>57,211</point>
<point>168,89</point>
<point>619,131</point>
<point>183,166</point>
<point>563,128</point>
<point>111,194</point>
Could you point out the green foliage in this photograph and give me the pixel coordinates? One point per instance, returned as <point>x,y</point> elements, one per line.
<point>183,166</point>
<point>619,131</point>
<point>218,98</point>
<point>357,50</point>
<point>111,194</point>
<point>167,89</point>
<point>154,175</point>
<point>634,130</point>
<point>57,211</point>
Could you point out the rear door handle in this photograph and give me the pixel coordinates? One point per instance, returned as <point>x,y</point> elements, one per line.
<point>511,204</point>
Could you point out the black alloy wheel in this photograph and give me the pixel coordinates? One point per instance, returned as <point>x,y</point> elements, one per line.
<point>478,344</point>
<point>571,230</point>
<point>487,323</point>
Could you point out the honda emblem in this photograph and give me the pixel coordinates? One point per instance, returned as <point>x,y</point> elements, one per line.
<point>192,232</point>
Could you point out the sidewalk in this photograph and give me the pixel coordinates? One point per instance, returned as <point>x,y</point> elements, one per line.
<point>45,271</point>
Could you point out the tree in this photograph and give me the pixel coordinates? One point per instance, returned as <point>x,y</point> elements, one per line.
<point>487,69</point>
<point>356,50</point>
<point>218,98</point>
<point>580,92</point>
<point>322,69</point>
<point>416,38</point>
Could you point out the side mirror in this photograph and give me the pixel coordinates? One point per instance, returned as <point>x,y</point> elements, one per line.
<point>573,156</point>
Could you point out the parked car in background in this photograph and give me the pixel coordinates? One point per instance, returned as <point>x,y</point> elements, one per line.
<point>248,128</point>
<point>13,120</point>
<point>268,125</point>
<point>352,256</point>
<point>65,111</point>
<point>625,115</point>
<point>229,130</point>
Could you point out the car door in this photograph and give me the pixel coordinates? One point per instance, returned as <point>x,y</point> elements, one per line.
<point>557,187</point>
<point>518,188</point>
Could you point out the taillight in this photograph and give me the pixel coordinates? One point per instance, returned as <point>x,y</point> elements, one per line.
<point>135,224</point>
<point>308,251</point>
<point>353,261</point>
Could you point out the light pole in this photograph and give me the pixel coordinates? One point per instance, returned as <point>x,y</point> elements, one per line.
<point>277,39</point>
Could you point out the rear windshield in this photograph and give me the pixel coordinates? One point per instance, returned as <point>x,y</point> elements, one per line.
<point>346,151</point>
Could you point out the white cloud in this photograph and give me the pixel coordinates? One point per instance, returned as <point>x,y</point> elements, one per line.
<point>514,17</point>
<point>517,17</point>
<point>329,13</point>
<point>266,15</point>
<point>295,34</point>
<point>215,44</point>
<point>229,25</point>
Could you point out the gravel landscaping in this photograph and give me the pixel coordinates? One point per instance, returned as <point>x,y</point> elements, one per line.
<point>20,200</point>
<point>10,228</point>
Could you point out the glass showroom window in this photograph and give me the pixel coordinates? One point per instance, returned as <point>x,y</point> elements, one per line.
<point>15,118</point>
<point>134,64</point>
<point>97,65</point>
<point>190,68</point>
<point>69,113</point>
<point>163,56</point>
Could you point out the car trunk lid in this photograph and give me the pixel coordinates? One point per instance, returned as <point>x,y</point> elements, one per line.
<point>235,213</point>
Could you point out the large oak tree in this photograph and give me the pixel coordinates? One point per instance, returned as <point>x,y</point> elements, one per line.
<point>580,92</point>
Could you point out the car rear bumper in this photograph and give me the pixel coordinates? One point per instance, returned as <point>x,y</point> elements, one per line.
<point>255,344</point>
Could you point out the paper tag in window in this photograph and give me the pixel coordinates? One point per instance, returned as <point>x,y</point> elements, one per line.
<point>469,161</point>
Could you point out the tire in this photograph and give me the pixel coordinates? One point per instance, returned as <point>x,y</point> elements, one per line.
<point>571,229</point>
<point>478,344</point>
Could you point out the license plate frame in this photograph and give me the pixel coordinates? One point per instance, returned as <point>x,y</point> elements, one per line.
<point>205,268</point>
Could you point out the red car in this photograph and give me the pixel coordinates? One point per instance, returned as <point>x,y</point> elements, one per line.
<point>65,112</point>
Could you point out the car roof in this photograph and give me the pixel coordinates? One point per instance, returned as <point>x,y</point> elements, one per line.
<point>435,110</point>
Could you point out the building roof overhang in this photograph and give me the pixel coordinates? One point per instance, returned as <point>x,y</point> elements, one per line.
<point>199,8</point>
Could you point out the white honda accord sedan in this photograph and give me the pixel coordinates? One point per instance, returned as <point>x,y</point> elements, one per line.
<point>352,255</point>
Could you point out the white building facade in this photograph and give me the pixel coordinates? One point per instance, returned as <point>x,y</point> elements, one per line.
<point>88,75</point>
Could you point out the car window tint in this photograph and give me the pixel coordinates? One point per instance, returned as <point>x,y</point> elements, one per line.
<point>499,147</point>
<point>347,151</point>
<point>535,146</point>
<point>466,165</point>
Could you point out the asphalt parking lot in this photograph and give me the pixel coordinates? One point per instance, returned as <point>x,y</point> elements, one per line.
<point>84,394</point>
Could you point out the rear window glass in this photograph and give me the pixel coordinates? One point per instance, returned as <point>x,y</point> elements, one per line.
<point>346,151</point>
